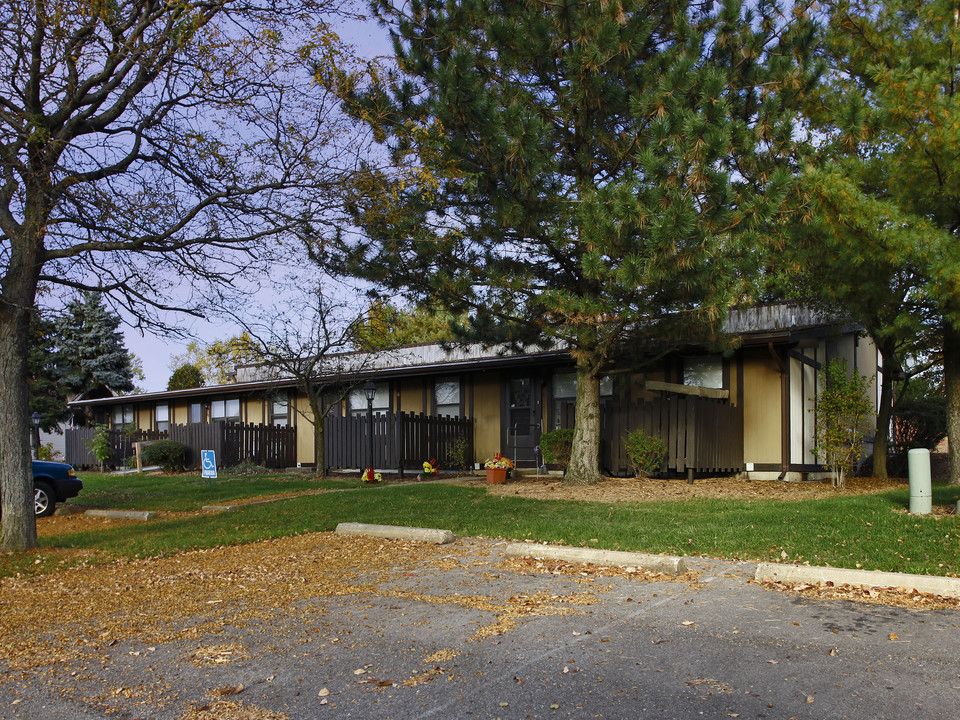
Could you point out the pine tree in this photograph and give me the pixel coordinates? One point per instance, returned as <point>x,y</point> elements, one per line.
<point>92,360</point>
<point>47,395</point>
<point>887,187</point>
<point>574,173</point>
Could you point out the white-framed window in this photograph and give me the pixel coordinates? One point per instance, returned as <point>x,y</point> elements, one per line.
<point>162,414</point>
<point>123,415</point>
<point>280,409</point>
<point>704,371</point>
<point>357,400</point>
<point>196,412</point>
<point>446,397</point>
<point>226,409</point>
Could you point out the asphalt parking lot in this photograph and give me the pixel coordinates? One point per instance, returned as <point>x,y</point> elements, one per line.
<point>345,627</point>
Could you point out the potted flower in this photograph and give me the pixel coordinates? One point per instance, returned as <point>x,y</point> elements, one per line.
<point>497,469</point>
<point>431,467</point>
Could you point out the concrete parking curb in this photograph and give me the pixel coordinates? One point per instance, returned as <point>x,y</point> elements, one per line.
<point>228,508</point>
<point>653,563</point>
<point>396,532</point>
<point>142,515</point>
<point>943,586</point>
<point>67,510</point>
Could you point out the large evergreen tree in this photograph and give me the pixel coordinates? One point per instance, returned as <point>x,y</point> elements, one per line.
<point>887,189</point>
<point>91,359</point>
<point>575,172</point>
<point>852,257</point>
<point>47,395</point>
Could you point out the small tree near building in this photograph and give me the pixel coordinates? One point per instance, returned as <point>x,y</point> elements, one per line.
<point>307,344</point>
<point>843,413</point>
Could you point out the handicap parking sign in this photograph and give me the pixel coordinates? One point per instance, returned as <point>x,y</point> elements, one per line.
<point>208,463</point>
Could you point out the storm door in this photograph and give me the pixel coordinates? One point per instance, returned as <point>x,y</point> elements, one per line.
<point>521,419</point>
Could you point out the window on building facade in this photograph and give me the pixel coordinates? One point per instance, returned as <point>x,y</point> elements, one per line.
<point>357,401</point>
<point>163,417</point>
<point>227,409</point>
<point>704,371</point>
<point>280,409</point>
<point>446,397</point>
<point>123,415</point>
<point>196,412</point>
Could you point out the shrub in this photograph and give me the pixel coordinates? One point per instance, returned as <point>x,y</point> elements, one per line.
<point>459,453</point>
<point>555,446</point>
<point>101,445</point>
<point>646,452</point>
<point>168,454</point>
<point>843,418</point>
<point>46,452</point>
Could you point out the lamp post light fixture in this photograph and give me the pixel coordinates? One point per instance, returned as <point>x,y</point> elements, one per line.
<point>370,390</point>
<point>35,435</point>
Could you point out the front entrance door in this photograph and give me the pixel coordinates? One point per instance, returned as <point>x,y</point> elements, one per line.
<point>522,414</point>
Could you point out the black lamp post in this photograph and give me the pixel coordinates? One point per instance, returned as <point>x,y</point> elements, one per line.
<point>35,437</point>
<point>370,390</point>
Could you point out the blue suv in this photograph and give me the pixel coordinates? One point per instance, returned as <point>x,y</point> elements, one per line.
<point>53,482</point>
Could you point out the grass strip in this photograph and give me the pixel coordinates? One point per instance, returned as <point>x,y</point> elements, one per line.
<point>179,493</point>
<point>869,531</point>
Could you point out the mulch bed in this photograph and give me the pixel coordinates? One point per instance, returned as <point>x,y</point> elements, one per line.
<point>616,490</point>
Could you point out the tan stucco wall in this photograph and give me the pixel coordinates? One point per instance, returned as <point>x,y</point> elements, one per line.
<point>731,365</point>
<point>144,416</point>
<point>180,413</point>
<point>868,360</point>
<point>761,408</point>
<point>411,396</point>
<point>252,411</point>
<point>486,409</point>
<point>299,419</point>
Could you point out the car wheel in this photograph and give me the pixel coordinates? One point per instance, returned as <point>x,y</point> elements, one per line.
<point>44,501</point>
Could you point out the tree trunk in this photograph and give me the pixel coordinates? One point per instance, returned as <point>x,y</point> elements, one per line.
<point>584,465</point>
<point>319,449</point>
<point>884,413</point>
<point>19,525</point>
<point>951,378</point>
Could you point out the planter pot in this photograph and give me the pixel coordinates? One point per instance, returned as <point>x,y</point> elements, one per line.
<point>496,476</point>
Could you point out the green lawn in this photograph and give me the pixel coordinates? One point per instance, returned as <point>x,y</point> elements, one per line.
<point>865,531</point>
<point>189,492</point>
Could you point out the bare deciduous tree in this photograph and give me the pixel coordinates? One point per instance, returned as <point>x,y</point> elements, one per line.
<point>309,344</point>
<point>151,150</point>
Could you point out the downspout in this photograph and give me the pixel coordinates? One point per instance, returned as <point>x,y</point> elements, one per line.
<point>784,410</point>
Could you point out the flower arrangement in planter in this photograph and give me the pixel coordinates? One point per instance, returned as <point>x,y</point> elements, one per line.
<point>431,467</point>
<point>499,462</point>
<point>371,476</point>
<point>498,469</point>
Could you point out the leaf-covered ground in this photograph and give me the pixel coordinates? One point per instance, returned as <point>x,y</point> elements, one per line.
<point>654,489</point>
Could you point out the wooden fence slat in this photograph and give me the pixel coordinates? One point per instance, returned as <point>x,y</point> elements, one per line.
<point>401,440</point>
<point>271,446</point>
<point>704,434</point>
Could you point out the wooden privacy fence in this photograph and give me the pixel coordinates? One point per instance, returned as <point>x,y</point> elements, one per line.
<point>701,434</point>
<point>400,440</point>
<point>269,445</point>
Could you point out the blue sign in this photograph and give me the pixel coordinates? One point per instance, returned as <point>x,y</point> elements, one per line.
<point>208,463</point>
